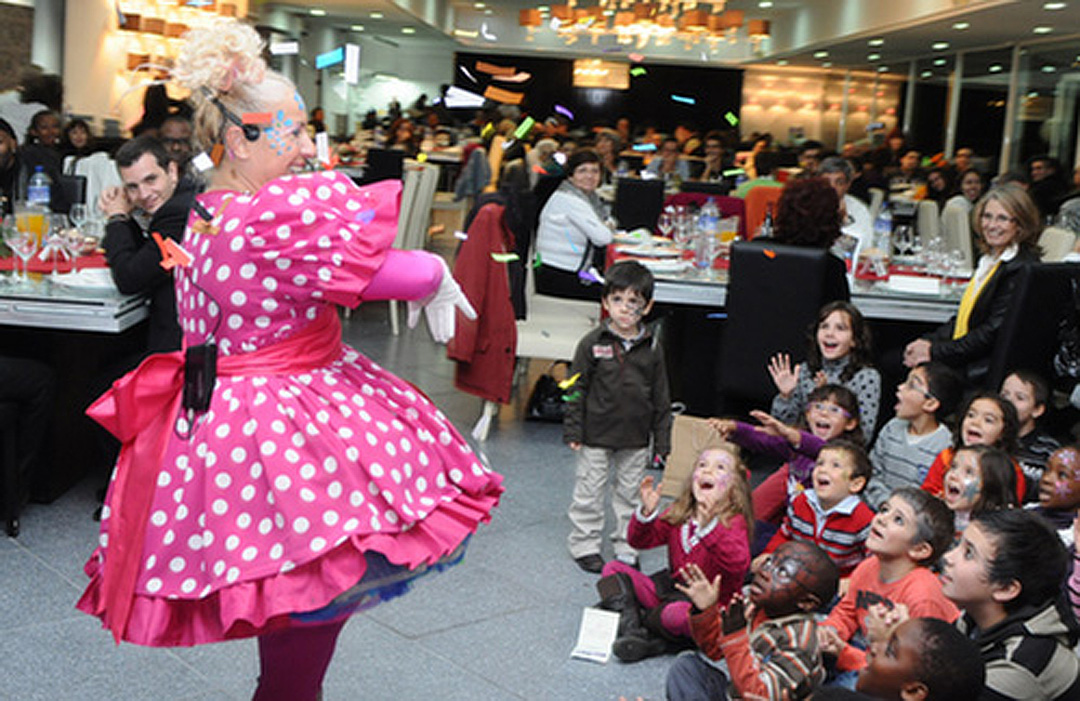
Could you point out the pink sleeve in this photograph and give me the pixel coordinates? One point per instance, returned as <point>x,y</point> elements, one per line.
<point>405,275</point>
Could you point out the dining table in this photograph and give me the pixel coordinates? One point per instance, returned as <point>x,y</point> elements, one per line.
<point>81,326</point>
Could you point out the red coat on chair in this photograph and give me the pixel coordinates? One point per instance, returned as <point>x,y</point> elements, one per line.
<point>484,348</point>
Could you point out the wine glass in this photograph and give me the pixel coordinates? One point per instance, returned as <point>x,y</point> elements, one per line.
<point>78,214</point>
<point>53,239</point>
<point>22,242</point>
<point>665,223</point>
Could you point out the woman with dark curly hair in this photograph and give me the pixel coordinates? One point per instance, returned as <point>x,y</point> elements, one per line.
<point>808,214</point>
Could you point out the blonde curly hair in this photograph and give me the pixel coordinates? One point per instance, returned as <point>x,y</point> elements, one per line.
<point>223,61</point>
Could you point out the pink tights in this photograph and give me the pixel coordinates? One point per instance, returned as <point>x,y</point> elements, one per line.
<point>293,662</point>
<point>675,617</point>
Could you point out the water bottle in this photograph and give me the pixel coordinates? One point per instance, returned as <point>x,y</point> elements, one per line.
<point>766,229</point>
<point>38,191</point>
<point>883,230</point>
<point>708,230</point>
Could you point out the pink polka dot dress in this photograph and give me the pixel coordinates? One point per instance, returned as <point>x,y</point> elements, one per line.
<point>292,487</point>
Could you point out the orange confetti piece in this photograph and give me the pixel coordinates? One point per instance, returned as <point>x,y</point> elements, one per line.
<point>257,118</point>
<point>216,153</point>
<point>492,69</point>
<point>769,253</point>
<point>172,254</point>
<point>504,96</point>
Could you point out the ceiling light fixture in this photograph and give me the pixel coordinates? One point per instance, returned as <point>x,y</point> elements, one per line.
<point>873,57</point>
<point>765,4</point>
<point>408,30</point>
<point>316,12</point>
<point>357,28</point>
<point>821,54</point>
<point>940,61</point>
<point>1052,6</point>
<point>995,68</point>
<point>376,15</point>
<point>926,74</point>
<point>1042,30</point>
<point>939,45</point>
<point>639,23</point>
<point>961,26</point>
<point>876,42</point>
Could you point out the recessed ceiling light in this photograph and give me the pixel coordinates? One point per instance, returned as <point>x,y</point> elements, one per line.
<point>1048,69</point>
<point>939,45</point>
<point>821,54</point>
<point>315,12</point>
<point>961,26</point>
<point>826,64</point>
<point>782,62</point>
<point>1042,30</point>
<point>357,27</point>
<point>479,5</point>
<point>1054,6</point>
<point>926,74</point>
<point>995,68</point>
<point>940,61</point>
<point>408,30</point>
<point>876,42</point>
<point>376,15</point>
<point>883,69</point>
<point>873,57</point>
<point>1033,93</point>
<point>765,4</point>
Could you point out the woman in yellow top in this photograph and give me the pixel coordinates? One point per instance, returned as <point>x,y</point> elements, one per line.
<point>1007,223</point>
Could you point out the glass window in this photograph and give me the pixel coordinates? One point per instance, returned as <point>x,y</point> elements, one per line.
<point>984,94</point>
<point>1048,108</point>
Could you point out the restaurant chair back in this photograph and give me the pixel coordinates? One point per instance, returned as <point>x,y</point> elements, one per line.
<point>956,232</point>
<point>877,198</point>
<point>382,164</point>
<point>927,221</point>
<point>74,188</point>
<point>1028,338</point>
<point>1055,243</point>
<point>417,196</point>
<point>638,203</point>
<point>758,201</point>
<point>773,296</point>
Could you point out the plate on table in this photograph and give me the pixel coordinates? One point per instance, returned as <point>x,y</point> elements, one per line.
<point>655,252</point>
<point>88,279</point>
<point>661,267</point>
<point>638,236</point>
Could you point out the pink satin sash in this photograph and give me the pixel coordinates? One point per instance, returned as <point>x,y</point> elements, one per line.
<point>140,409</point>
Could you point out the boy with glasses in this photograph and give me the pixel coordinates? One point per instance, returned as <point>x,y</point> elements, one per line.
<point>909,442</point>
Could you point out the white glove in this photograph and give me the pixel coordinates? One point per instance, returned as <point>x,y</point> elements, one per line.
<point>441,306</point>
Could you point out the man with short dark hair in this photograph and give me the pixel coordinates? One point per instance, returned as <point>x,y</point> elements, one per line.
<point>152,185</point>
<point>175,135</point>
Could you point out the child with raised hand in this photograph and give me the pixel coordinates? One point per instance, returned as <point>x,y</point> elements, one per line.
<point>770,646</point>
<point>909,442</point>
<point>831,412</point>
<point>1028,392</point>
<point>831,515</point>
<point>839,353</point>
<point>1059,492</point>
<point>986,419</point>
<point>906,538</point>
<point>980,478</point>
<point>620,403</point>
<point>708,526</point>
<point>1006,573</point>
<point>921,658</point>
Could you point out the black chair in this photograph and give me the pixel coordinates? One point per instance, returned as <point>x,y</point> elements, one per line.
<point>774,293</point>
<point>718,187</point>
<point>74,188</point>
<point>382,164</point>
<point>1028,338</point>
<point>638,203</point>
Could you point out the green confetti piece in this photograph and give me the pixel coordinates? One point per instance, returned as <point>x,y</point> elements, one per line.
<point>524,128</point>
<point>505,257</point>
<point>572,397</point>
<point>731,119</point>
<point>637,71</point>
<point>536,261</point>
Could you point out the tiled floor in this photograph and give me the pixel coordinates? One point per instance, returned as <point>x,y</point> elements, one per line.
<point>499,626</point>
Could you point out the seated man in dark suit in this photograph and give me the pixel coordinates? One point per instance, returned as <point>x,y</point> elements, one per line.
<point>152,185</point>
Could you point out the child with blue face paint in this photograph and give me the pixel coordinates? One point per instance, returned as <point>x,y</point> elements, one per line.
<point>980,478</point>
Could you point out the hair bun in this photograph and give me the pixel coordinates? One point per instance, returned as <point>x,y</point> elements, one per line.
<point>220,55</point>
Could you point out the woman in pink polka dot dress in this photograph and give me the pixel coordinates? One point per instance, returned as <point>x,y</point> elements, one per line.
<point>315,483</point>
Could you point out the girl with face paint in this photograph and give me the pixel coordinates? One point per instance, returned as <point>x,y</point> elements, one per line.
<point>707,526</point>
<point>980,478</point>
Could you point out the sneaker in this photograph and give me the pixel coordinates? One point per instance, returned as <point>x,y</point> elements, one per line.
<point>590,563</point>
<point>633,647</point>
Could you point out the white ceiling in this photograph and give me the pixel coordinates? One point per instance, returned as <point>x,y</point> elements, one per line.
<point>801,28</point>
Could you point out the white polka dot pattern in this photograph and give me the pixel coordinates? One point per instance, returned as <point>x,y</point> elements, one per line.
<point>283,468</point>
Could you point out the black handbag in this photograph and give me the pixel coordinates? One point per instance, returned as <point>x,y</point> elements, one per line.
<point>546,401</point>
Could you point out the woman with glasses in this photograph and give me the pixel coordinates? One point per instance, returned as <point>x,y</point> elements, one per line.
<point>1007,224</point>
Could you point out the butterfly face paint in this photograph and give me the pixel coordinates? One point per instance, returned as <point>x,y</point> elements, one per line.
<point>1059,488</point>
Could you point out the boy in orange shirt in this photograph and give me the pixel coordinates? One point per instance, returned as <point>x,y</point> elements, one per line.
<point>907,537</point>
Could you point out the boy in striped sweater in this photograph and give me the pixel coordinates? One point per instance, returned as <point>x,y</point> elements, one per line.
<point>831,515</point>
